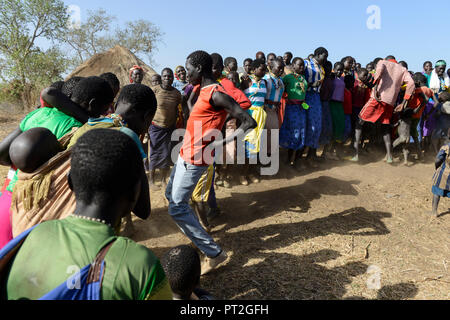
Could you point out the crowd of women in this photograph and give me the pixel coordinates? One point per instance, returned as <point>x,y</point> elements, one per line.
<point>300,105</point>
<point>339,108</point>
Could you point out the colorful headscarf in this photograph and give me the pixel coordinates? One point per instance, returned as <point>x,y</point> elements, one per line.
<point>176,72</point>
<point>135,67</point>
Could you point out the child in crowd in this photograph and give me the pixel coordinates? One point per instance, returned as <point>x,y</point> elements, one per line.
<point>347,63</point>
<point>155,80</point>
<point>246,66</point>
<point>441,176</point>
<point>410,116</point>
<point>443,120</point>
<point>360,96</point>
<point>275,90</point>
<point>255,88</point>
<point>326,91</point>
<point>420,99</point>
<point>230,65</point>
<point>337,109</point>
<point>233,76</point>
<point>33,148</point>
<point>349,81</point>
<point>293,129</point>
<point>182,268</point>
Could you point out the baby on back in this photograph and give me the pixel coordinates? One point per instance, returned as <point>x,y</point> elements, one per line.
<point>33,148</point>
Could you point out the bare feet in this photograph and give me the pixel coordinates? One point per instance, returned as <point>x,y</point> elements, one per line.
<point>243,180</point>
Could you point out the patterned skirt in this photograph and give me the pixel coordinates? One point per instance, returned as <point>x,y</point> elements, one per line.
<point>314,120</point>
<point>293,129</point>
<point>253,139</point>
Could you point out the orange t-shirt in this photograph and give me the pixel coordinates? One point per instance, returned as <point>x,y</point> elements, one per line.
<point>417,99</point>
<point>203,127</point>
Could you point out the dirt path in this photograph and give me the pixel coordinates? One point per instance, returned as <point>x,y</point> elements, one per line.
<point>324,234</point>
<point>315,235</point>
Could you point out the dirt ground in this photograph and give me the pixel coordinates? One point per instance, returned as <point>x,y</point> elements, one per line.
<point>341,231</point>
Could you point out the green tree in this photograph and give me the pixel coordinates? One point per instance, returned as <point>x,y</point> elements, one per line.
<point>22,23</point>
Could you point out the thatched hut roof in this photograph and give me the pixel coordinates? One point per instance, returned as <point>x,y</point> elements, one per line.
<point>117,60</point>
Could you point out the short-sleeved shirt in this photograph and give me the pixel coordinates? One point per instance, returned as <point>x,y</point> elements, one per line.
<point>275,87</point>
<point>179,85</point>
<point>257,92</point>
<point>54,120</point>
<point>314,72</point>
<point>295,86</point>
<point>54,250</point>
<point>167,107</point>
<point>417,99</point>
<point>202,123</point>
<point>392,77</point>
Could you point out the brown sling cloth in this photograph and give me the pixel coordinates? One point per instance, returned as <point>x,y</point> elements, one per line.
<point>45,193</point>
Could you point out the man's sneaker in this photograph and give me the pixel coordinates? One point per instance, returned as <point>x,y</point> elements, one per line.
<point>210,264</point>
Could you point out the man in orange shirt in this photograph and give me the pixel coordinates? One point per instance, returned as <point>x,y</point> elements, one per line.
<point>410,116</point>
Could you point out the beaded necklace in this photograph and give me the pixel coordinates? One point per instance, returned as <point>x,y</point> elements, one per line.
<point>277,80</point>
<point>258,83</point>
<point>300,80</point>
<point>91,219</point>
<point>118,120</point>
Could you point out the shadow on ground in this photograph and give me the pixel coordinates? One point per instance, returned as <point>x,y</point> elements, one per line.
<point>284,276</point>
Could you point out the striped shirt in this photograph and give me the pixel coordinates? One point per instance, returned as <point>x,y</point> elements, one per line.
<point>257,92</point>
<point>275,87</point>
<point>313,72</point>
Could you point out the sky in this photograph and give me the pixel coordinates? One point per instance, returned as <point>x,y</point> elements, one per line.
<point>414,31</point>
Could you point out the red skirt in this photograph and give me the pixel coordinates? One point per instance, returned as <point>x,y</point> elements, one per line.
<point>375,111</point>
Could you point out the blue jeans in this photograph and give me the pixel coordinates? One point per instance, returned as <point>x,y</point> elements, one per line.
<point>182,182</point>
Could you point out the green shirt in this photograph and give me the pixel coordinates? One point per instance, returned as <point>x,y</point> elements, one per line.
<point>54,120</point>
<point>56,249</point>
<point>295,86</point>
